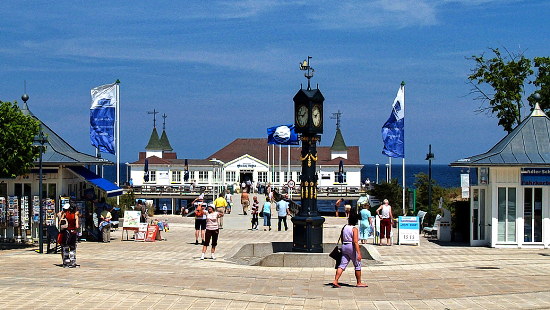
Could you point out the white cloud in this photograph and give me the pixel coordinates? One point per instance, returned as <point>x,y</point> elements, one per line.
<point>373,14</point>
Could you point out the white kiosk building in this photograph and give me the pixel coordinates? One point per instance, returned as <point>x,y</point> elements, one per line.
<point>509,206</point>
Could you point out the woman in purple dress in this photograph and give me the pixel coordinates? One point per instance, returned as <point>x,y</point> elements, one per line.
<point>351,250</point>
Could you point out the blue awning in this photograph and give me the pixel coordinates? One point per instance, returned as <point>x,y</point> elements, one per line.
<point>106,185</point>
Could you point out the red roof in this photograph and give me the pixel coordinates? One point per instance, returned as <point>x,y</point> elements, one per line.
<point>258,148</point>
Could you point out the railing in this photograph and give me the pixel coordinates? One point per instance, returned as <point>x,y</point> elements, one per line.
<point>186,190</point>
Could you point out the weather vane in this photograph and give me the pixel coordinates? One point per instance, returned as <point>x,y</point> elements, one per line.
<point>154,112</point>
<point>337,116</point>
<point>164,116</point>
<point>304,66</point>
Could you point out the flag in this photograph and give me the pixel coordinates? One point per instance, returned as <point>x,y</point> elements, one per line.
<point>393,131</point>
<point>102,117</point>
<point>146,171</point>
<point>341,172</point>
<point>283,134</point>
<point>186,173</point>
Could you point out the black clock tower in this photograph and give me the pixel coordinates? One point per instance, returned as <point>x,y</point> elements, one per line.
<point>308,116</point>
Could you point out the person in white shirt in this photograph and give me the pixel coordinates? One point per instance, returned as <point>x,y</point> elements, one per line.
<point>212,231</point>
<point>386,218</point>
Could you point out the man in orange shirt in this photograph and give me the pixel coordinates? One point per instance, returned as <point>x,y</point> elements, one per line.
<point>245,201</point>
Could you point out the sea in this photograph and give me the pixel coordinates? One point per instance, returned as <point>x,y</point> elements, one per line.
<point>443,175</point>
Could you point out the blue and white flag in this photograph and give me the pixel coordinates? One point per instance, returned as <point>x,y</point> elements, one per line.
<point>102,117</point>
<point>283,134</point>
<point>393,131</point>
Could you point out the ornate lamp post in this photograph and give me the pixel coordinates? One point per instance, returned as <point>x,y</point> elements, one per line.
<point>308,116</point>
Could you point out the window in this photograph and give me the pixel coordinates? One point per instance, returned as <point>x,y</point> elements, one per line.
<point>276,177</point>
<point>287,176</point>
<point>176,176</point>
<point>152,176</point>
<point>203,176</point>
<point>336,175</point>
<point>507,214</point>
<point>230,176</point>
<point>262,176</point>
<point>532,206</point>
<point>216,175</point>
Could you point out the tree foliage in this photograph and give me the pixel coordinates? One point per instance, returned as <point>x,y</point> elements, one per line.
<point>391,191</point>
<point>500,82</point>
<point>542,82</point>
<point>17,133</point>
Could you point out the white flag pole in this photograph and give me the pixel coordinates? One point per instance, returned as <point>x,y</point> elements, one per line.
<point>118,138</point>
<point>403,86</point>
<point>268,164</point>
<point>280,166</point>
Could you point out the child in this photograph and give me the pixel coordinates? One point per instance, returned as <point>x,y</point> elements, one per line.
<point>255,207</point>
<point>166,227</point>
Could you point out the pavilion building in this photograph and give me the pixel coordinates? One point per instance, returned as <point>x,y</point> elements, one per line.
<point>509,206</point>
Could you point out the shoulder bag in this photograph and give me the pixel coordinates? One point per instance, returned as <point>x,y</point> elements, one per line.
<point>336,253</point>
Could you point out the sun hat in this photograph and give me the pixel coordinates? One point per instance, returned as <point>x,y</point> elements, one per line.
<point>66,206</point>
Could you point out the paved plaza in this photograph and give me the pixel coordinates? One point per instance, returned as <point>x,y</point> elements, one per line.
<point>169,275</point>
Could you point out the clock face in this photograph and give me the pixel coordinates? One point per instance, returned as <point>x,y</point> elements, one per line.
<point>301,116</point>
<point>316,116</point>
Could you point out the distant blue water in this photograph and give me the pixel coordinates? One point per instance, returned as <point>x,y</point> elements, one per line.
<point>444,175</point>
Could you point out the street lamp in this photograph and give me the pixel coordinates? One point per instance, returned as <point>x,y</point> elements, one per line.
<point>387,173</point>
<point>429,158</point>
<point>216,163</point>
<point>39,139</point>
<point>377,173</point>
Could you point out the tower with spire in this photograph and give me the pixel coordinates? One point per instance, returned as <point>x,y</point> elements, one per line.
<point>338,148</point>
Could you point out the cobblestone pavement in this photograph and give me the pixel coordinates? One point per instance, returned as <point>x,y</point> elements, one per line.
<point>169,275</point>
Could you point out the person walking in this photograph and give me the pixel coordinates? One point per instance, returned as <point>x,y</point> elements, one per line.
<point>386,217</point>
<point>266,211</point>
<point>69,225</point>
<point>220,203</point>
<point>229,200</point>
<point>245,201</point>
<point>365,224</point>
<point>212,231</point>
<point>282,212</point>
<point>337,205</point>
<point>255,211</point>
<point>200,218</point>
<point>351,250</point>
<point>105,225</point>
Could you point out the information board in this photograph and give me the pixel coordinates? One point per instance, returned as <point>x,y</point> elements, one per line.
<point>141,233</point>
<point>409,230</point>
<point>131,219</point>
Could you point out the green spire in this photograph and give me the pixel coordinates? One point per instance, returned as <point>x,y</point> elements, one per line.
<point>164,143</point>
<point>338,144</point>
<point>154,142</point>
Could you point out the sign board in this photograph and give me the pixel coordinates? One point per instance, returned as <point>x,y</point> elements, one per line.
<point>131,219</point>
<point>535,176</point>
<point>291,184</point>
<point>141,233</point>
<point>409,230</point>
<point>152,233</point>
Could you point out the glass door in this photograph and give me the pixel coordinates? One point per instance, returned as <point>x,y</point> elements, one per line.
<point>478,207</point>
<point>506,214</point>
<point>532,214</point>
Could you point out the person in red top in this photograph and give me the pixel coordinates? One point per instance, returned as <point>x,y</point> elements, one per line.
<point>69,223</point>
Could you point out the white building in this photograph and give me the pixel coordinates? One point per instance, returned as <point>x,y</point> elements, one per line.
<point>242,160</point>
<point>509,206</point>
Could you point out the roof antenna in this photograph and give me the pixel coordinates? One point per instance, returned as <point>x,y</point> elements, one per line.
<point>154,112</point>
<point>337,116</point>
<point>164,116</point>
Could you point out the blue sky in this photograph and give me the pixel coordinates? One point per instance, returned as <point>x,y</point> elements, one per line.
<point>227,69</point>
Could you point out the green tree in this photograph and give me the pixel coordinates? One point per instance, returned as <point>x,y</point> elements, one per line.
<point>391,191</point>
<point>499,83</point>
<point>422,194</point>
<point>542,82</point>
<point>17,133</point>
